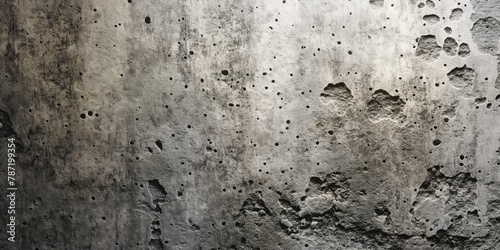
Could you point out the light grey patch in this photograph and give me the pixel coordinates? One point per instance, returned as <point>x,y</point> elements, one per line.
<point>431,19</point>
<point>427,49</point>
<point>486,34</point>
<point>461,77</point>
<point>450,46</point>
<point>456,14</point>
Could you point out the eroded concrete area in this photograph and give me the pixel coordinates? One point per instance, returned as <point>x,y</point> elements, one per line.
<point>276,124</point>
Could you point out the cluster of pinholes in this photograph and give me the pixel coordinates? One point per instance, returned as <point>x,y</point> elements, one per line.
<point>345,96</point>
<point>428,50</point>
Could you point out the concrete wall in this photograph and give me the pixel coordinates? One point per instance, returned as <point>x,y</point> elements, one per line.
<point>283,124</point>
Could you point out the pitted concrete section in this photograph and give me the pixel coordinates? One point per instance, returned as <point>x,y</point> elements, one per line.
<point>280,124</point>
<point>428,49</point>
<point>450,46</point>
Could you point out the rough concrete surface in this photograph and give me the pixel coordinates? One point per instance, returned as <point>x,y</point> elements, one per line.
<point>266,124</point>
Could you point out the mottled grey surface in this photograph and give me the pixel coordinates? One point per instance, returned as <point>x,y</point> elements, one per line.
<point>283,124</point>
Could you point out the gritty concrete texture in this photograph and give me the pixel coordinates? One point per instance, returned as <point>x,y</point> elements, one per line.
<point>450,46</point>
<point>276,124</point>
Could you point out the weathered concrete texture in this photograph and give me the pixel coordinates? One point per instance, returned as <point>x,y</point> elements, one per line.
<point>450,46</point>
<point>252,124</point>
<point>428,49</point>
